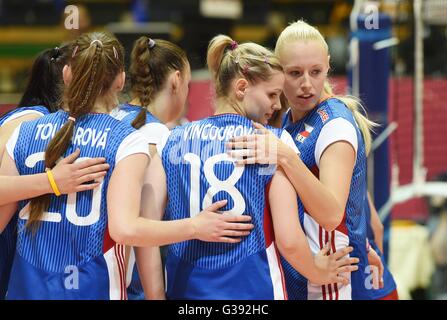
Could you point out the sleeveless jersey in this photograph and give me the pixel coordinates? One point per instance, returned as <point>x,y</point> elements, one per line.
<point>199,173</point>
<point>8,236</point>
<point>71,255</point>
<point>311,140</point>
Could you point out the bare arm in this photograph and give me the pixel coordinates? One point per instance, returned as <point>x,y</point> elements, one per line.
<point>292,242</point>
<point>131,229</point>
<point>7,130</point>
<point>376,224</point>
<point>324,198</point>
<point>153,202</point>
<point>7,211</point>
<point>70,178</point>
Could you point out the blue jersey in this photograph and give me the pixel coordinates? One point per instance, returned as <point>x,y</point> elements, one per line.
<point>153,129</point>
<point>388,281</point>
<point>8,236</point>
<point>199,172</point>
<point>329,122</point>
<point>71,255</point>
<point>20,112</point>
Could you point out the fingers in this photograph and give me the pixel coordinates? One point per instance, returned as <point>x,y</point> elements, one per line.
<point>236,234</point>
<point>247,138</point>
<point>239,226</point>
<point>341,280</point>
<point>90,162</point>
<point>228,240</point>
<point>91,177</point>
<point>347,261</point>
<point>85,187</point>
<point>233,218</point>
<point>241,145</point>
<point>240,154</point>
<point>347,269</point>
<point>248,160</point>
<point>93,169</point>
<point>342,252</point>
<point>72,157</point>
<point>325,249</point>
<point>217,205</point>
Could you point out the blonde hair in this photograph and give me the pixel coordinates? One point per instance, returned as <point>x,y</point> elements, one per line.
<point>302,31</point>
<point>227,60</point>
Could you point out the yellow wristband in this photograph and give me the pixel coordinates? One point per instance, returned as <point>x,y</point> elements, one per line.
<point>53,182</point>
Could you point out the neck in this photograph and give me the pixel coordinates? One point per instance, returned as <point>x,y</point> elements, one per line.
<point>105,104</point>
<point>159,107</point>
<point>225,106</point>
<point>298,115</point>
<point>102,105</point>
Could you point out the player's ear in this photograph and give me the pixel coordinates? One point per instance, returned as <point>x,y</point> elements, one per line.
<point>175,80</point>
<point>66,74</point>
<point>120,81</point>
<point>240,87</point>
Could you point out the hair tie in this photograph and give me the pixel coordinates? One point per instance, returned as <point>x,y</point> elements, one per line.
<point>96,40</point>
<point>56,53</point>
<point>115,53</point>
<point>245,70</point>
<point>72,119</point>
<point>234,45</point>
<point>266,60</point>
<point>150,43</point>
<point>74,51</point>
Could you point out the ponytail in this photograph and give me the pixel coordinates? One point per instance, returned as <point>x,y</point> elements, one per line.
<point>97,59</point>
<point>151,63</point>
<point>355,105</point>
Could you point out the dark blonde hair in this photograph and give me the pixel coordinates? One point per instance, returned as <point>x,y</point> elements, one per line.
<point>96,60</point>
<point>152,60</point>
<point>227,60</point>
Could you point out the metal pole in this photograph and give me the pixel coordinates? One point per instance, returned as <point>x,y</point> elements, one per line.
<point>418,140</point>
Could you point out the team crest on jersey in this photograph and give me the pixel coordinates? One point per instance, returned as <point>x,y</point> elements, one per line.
<point>323,115</point>
<point>303,135</point>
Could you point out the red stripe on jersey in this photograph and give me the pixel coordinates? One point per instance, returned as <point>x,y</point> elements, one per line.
<point>342,226</point>
<point>316,171</point>
<point>269,233</point>
<point>320,237</point>
<point>330,291</point>
<point>108,242</point>
<point>283,279</point>
<point>334,249</point>
<point>269,236</point>
<point>123,254</point>
<point>324,292</point>
<point>119,260</point>
<point>326,240</point>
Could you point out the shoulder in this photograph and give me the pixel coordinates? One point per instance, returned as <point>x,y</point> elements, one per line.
<point>334,108</point>
<point>31,112</point>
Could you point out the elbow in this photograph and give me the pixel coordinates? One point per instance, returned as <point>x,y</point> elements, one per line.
<point>122,234</point>
<point>378,229</point>
<point>287,247</point>
<point>333,221</point>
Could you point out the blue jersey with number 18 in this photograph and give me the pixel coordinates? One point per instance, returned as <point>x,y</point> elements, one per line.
<point>199,173</point>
